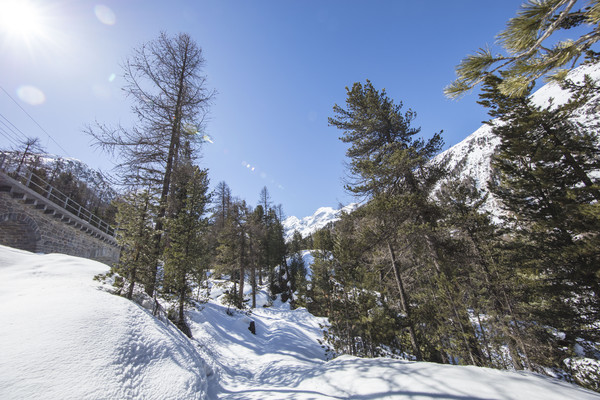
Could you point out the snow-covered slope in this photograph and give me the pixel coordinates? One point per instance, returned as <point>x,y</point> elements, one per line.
<point>313,223</point>
<point>62,336</point>
<point>471,157</point>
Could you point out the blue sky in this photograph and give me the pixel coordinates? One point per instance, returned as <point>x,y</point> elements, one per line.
<point>278,66</point>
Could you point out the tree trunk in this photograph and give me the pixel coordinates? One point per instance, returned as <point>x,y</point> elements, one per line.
<point>171,163</point>
<point>462,316</point>
<point>404,303</point>
<point>253,282</point>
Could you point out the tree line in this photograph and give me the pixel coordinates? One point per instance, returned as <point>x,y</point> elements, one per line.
<point>71,184</point>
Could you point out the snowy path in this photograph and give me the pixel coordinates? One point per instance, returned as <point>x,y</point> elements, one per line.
<point>284,361</point>
<point>63,336</point>
<point>249,366</point>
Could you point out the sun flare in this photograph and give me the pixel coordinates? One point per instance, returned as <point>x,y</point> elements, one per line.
<point>21,19</point>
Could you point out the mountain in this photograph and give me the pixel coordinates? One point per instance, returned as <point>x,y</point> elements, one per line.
<point>65,336</point>
<point>308,225</point>
<point>471,157</point>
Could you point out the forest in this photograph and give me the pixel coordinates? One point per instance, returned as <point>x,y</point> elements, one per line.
<point>420,270</point>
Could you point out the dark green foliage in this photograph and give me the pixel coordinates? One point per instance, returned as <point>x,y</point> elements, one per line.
<point>390,165</point>
<point>136,212</point>
<point>185,254</point>
<point>384,151</point>
<point>546,165</point>
<point>232,247</point>
<point>250,241</point>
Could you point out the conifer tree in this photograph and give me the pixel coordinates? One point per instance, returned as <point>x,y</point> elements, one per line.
<point>546,164</point>
<point>232,252</point>
<point>388,165</point>
<point>170,100</point>
<point>256,246</point>
<point>531,48</point>
<point>134,218</point>
<point>481,252</point>
<point>186,225</point>
<point>222,203</point>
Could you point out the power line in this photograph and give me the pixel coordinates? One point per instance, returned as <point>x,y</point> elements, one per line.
<point>10,139</point>
<point>16,132</point>
<point>9,133</point>
<point>35,122</point>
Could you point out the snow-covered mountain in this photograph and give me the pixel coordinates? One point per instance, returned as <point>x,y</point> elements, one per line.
<point>308,225</point>
<point>471,157</point>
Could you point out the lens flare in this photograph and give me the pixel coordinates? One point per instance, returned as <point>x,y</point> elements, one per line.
<point>31,95</point>
<point>105,14</point>
<point>29,27</point>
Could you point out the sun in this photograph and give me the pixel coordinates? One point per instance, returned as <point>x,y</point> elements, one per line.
<point>21,19</point>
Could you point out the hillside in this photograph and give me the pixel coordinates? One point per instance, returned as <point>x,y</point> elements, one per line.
<point>64,336</point>
<point>471,157</point>
<point>52,166</point>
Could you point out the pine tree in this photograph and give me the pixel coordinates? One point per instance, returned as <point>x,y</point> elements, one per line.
<point>388,165</point>
<point>232,252</point>
<point>546,165</point>
<point>186,225</point>
<point>531,48</point>
<point>481,251</point>
<point>134,218</point>
<point>222,203</point>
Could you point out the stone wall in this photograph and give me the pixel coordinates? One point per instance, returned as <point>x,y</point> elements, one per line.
<point>27,224</point>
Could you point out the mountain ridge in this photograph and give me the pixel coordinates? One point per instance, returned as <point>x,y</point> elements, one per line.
<point>470,157</point>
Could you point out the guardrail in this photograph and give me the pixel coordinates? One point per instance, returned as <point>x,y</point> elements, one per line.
<point>39,185</point>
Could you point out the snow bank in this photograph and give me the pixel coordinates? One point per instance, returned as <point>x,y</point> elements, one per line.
<point>285,360</point>
<point>63,336</point>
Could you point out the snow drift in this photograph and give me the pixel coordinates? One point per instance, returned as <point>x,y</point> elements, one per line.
<point>63,336</point>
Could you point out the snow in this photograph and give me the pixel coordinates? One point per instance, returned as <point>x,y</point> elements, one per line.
<point>64,336</point>
<point>309,225</point>
<point>471,157</point>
